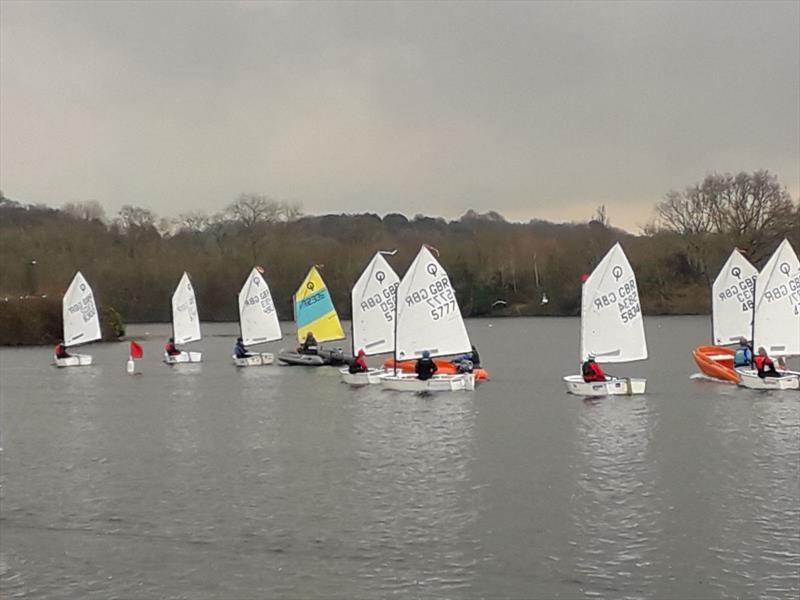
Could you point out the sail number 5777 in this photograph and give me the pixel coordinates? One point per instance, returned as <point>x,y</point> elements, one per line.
<point>438,296</point>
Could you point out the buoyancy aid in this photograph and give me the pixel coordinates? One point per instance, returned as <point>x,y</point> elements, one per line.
<point>593,372</point>
<point>742,357</point>
<point>763,363</point>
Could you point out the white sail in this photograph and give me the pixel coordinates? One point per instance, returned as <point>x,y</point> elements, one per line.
<point>185,320</point>
<point>732,300</point>
<point>257,315</point>
<point>612,327</point>
<point>373,299</point>
<point>777,310</point>
<point>428,316</point>
<point>81,321</point>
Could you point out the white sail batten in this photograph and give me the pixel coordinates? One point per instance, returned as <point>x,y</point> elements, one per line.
<point>257,315</point>
<point>428,316</point>
<point>373,299</point>
<point>81,321</point>
<point>732,304</point>
<point>612,327</point>
<point>185,320</point>
<point>776,324</point>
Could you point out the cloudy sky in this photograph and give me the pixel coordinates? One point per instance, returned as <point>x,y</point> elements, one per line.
<point>535,110</point>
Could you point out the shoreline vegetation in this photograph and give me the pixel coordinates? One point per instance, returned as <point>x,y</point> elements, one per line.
<point>499,268</point>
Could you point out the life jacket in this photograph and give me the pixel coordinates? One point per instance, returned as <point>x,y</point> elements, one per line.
<point>763,362</point>
<point>742,357</point>
<point>593,372</point>
<point>359,365</point>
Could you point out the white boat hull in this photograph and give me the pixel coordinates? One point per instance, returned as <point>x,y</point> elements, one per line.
<point>76,360</point>
<point>409,382</point>
<point>183,357</point>
<point>617,386</point>
<point>256,360</point>
<point>787,381</point>
<point>369,377</point>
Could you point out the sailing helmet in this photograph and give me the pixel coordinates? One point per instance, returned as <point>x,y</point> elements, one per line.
<point>426,354</point>
<point>591,356</point>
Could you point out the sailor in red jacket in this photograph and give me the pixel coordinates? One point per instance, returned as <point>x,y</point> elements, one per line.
<point>591,370</point>
<point>61,350</point>
<point>359,365</point>
<point>170,347</point>
<point>764,364</point>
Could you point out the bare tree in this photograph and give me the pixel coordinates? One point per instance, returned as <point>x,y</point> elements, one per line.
<point>135,217</point>
<point>193,221</point>
<point>250,209</point>
<point>601,216</point>
<point>750,211</point>
<point>88,210</point>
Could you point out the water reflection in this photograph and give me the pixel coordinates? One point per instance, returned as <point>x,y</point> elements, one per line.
<point>758,541</point>
<point>616,511</point>
<point>414,460</point>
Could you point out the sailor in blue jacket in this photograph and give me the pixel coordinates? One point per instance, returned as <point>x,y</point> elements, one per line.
<point>743,357</point>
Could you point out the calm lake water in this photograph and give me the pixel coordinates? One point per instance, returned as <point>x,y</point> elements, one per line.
<point>204,481</point>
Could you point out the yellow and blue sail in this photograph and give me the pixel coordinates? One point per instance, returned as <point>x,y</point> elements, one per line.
<point>314,310</point>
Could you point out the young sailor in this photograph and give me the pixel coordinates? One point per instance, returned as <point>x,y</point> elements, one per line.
<point>170,347</point>
<point>239,350</point>
<point>743,357</point>
<point>591,370</point>
<point>359,365</point>
<point>471,360</point>
<point>61,350</point>
<point>764,365</point>
<point>425,367</point>
<point>309,345</point>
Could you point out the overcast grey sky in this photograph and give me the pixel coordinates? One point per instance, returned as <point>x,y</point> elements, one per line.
<point>536,110</point>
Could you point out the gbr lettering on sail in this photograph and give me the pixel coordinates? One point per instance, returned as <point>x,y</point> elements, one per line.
<point>438,295</point>
<point>624,298</point>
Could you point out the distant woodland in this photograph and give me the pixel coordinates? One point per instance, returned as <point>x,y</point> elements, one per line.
<point>134,259</point>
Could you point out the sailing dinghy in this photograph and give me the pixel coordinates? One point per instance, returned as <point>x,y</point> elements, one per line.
<point>373,299</point>
<point>428,320</point>
<point>185,322</point>
<point>612,327</point>
<point>314,312</point>
<point>258,320</point>
<point>776,318</point>
<point>732,315</point>
<point>81,321</point>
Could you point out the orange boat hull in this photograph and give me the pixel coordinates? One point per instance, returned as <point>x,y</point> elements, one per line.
<point>445,367</point>
<point>716,362</point>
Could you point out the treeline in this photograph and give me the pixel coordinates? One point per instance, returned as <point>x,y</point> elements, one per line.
<point>134,260</point>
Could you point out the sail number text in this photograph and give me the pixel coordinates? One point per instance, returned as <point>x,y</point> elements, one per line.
<point>383,301</point>
<point>790,289</point>
<point>85,307</point>
<point>625,298</point>
<point>438,295</point>
<point>264,299</point>
<point>741,292</point>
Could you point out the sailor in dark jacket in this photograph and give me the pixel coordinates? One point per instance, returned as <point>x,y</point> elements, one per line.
<point>239,350</point>
<point>425,367</point>
<point>309,345</point>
